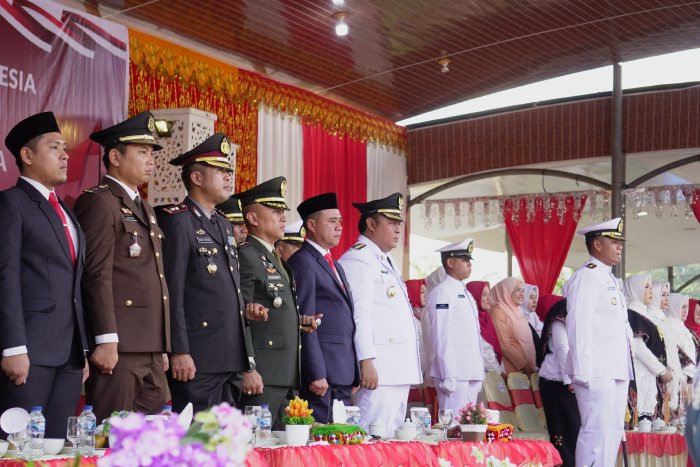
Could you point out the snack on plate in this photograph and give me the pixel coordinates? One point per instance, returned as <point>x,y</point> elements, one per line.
<point>339,433</point>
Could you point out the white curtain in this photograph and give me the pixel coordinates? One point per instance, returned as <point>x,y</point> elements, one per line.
<point>386,174</point>
<point>280,153</point>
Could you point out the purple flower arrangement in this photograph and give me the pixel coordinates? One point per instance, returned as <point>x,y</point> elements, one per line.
<point>218,437</point>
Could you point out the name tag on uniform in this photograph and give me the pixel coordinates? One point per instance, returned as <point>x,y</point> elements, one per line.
<point>442,306</point>
<point>384,272</point>
<point>204,240</point>
<point>612,287</point>
<point>129,218</point>
<point>461,296</point>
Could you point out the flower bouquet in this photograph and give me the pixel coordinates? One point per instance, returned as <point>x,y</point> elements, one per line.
<point>472,421</point>
<point>218,437</point>
<point>298,421</point>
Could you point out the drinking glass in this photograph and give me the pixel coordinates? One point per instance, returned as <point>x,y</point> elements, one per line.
<point>253,412</point>
<point>426,422</point>
<point>445,418</point>
<point>73,433</point>
<point>20,440</point>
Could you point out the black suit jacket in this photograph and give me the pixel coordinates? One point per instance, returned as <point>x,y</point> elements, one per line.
<point>40,304</point>
<point>330,351</point>
<point>206,306</point>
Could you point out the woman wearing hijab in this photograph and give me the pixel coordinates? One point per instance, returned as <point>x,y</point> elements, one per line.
<point>649,349</point>
<point>511,326</point>
<point>417,296</point>
<point>558,399</point>
<point>659,303</point>
<point>677,312</point>
<point>490,346</point>
<point>692,322</point>
<point>529,307</point>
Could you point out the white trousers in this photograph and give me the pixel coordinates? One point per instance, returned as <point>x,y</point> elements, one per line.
<point>386,404</point>
<point>602,408</point>
<point>465,392</point>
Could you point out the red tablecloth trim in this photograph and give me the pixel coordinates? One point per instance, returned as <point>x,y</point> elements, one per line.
<point>410,454</point>
<point>518,452</point>
<point>656,444</point>
<point>87,461</point>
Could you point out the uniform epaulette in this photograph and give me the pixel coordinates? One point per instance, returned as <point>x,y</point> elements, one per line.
<point>175,208</point>
<point>220,212</point>
<point>243,245</point>
<point>97,189</point>
<point>591,265</point>
<point>358,246</point>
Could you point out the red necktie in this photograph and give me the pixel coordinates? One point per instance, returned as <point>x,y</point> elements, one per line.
<point>329,258</point>
<point>54,202</point>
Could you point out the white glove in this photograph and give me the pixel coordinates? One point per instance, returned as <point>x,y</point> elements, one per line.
<point>448,385</point>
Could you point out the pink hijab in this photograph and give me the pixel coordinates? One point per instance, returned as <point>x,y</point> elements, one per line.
<point>515,325</point>
<point>488,330</point>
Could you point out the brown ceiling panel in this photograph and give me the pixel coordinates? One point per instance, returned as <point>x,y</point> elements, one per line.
<point>388,62</point>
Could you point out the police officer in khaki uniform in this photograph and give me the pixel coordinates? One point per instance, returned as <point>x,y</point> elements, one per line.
<point>124,291</point>
<point>210,337</point>
<point>268,280</point>
<point>598,362</point>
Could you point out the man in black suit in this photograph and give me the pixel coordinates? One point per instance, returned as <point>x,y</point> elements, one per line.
<point>329,366</point>
<point>42,329</point>
<point>210,338</point>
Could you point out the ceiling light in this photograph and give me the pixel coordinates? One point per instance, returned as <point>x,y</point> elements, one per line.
<point>642,213</point>
<point>444,62</point>
<point>338,2</point>
<point>341,27</point>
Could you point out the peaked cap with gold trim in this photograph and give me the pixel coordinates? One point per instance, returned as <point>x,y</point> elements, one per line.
<point>270,193</point>
<point>389,207</point>
<point>138,129</point>
<point>213,151</point>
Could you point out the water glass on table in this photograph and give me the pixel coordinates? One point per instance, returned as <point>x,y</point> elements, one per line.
<point>73,433</point>
<point>445,418</point>
<point>20,439</point>
<point>252,412</point>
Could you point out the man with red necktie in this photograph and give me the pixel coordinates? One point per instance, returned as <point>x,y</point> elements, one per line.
<point>329,367</point>
<point>42,329</point>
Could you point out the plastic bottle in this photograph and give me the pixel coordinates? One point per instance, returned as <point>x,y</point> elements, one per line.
<point>167,412</point>
<point>37,428</point>
<point>264,424</point>
<point>88,423</point>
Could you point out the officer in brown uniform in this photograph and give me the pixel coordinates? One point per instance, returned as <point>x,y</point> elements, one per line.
<point>125,295</point>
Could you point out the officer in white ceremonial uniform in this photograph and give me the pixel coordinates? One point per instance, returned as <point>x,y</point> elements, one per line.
<point>457,367</point>
<point>599,362</point>
<point>386,340</point>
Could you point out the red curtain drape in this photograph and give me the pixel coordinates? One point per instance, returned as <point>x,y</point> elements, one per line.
<point>696,204</point>
<point>541,247</point>
<point>337,164</point>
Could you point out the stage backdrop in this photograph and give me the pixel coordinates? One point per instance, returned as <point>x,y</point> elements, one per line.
<point>72,63</point>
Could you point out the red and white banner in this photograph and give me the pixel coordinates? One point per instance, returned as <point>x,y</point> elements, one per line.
<point>71,63</point>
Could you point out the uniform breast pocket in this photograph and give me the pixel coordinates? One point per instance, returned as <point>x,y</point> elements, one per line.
<point>268,341</point>
<point>204,321</point>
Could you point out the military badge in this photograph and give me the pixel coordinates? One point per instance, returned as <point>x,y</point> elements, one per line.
<point>283,188</point>
<point>391,292</point>
<point>134,247</point>
<point>277,302</point>
<point>199,231</point>
<point>126,210</point>
<point>614,300</point>
<point>400,202</point>
<point>212,268</point>
<point>151,124</point>
<point>470,248</point>
<point>225,146</point>
<point>153,219</point>
<point>619,226</point>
